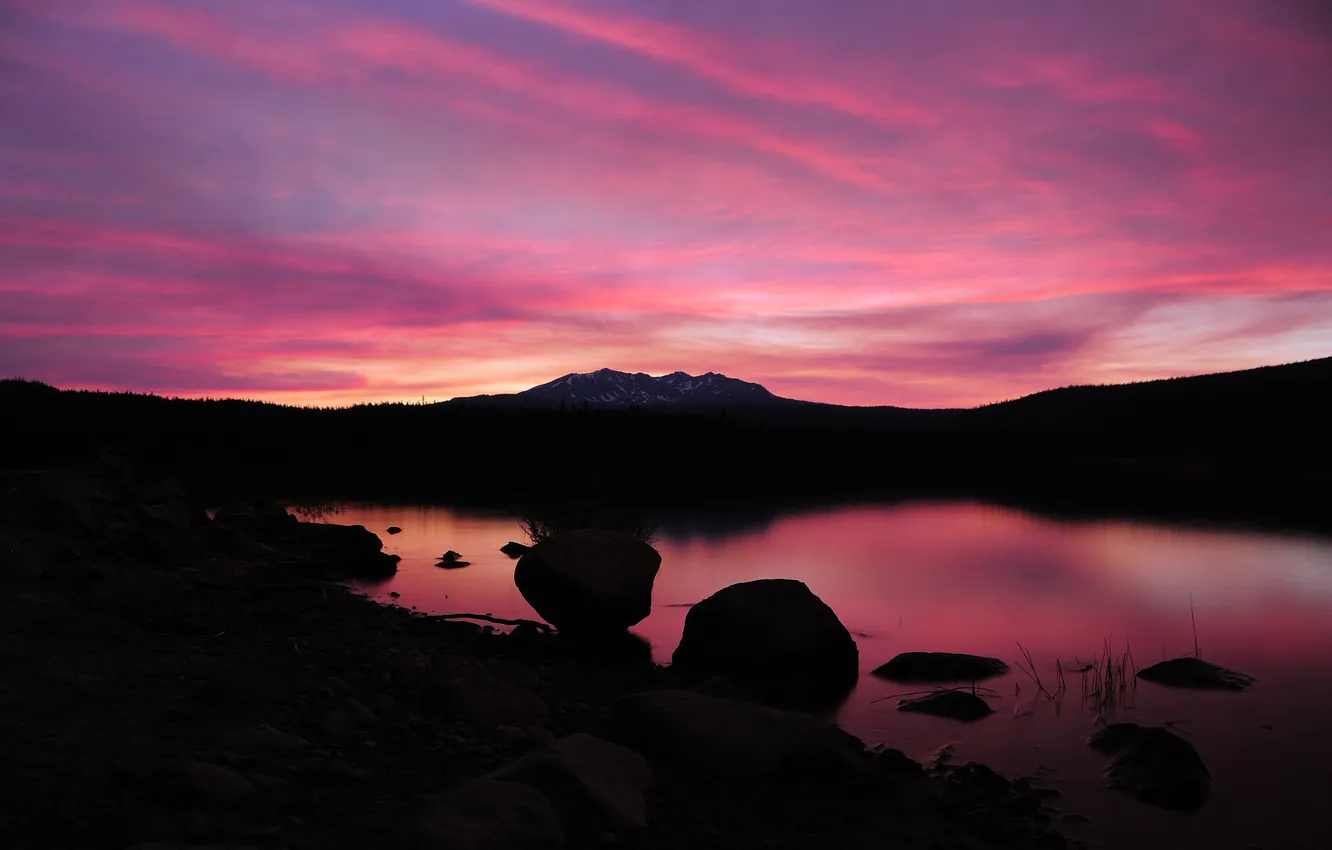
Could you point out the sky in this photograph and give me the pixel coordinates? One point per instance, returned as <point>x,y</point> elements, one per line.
<point>855,201</point>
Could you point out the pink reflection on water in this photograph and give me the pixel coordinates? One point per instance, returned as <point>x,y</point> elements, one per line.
<point>976,578</point>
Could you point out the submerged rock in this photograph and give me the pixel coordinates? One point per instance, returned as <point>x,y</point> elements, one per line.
<point>453,565</point>
<point>488,814</point>
<point>772,635</point>
<point>940,667</point>
<point>393,529</point>
<point>595,786</point>
<point>735,738</point>
<point>954,704</point>
<point>1154,765</point>
<point>1190,672</point>
<point>589,580</point>
<point>515,550</point>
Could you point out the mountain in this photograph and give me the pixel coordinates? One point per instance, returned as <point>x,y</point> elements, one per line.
<point>609,388</point>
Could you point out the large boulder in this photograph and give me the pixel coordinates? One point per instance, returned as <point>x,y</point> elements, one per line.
<point>940,667</point>
<point>735,738</point>
<point>589,580</point>
<point>1154,765</point>
<point>490,814</point>
<point>333,551</point>
<point>774,636</point>
<point>595,786</point>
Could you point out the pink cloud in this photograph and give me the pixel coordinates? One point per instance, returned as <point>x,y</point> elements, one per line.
<point>321,204</point>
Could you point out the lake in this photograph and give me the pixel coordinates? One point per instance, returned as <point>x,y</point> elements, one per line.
<point>971,577</point>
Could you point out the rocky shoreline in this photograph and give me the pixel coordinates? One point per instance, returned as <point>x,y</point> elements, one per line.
<point>171,679</point>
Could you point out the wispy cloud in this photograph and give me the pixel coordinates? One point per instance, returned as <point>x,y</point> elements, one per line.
<point>886,202</point>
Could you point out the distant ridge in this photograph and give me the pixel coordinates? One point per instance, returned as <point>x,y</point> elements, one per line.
<point>611,388</point>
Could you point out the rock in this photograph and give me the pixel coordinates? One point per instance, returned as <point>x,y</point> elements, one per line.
<point>594,785</point>
<point>1154,765</point>
<point>337,724</point>
<point>336,686</point>
<point>359,712</point>
<point>489,814</point>
<point>450,556</point>
<point>515,550</point>
<point>953,704</point>
<point>589,580</point>
<point>772,635</point>
<point>337,551</point>
<point>262,518</point>
<point>410,663</point>
<point>345,551</point>
<point>897,763</point>
<point>262,737</point>
<point>214,783</point>
<point>1190,672</point>
<point>393,529</point>
<point>452,565</point>
<point>940,667</point>
<point>484,700</point>
<point>734,738</point>
<point>511,736</point>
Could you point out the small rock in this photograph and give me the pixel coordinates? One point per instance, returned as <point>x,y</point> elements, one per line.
<point>360,714</point>
<point>488,814</point>
<point>515,550</point>
<point>214,783</point>
<point>510,736</point>
<point>393,529</point>
<point>338,687</point>
<point>453,565</point>
<point>956,705</point>
<point>538,735</point>
<point>594,785</point>
<point>262,737</point>
<point>412,661</point>
<point>338,725</point>
<point>898,763</point>
<point>451,556</point>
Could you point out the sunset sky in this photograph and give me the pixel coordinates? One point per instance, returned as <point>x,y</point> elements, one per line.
<point>859,201</point>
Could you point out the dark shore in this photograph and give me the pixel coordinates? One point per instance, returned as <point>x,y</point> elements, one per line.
<point>170,680</point>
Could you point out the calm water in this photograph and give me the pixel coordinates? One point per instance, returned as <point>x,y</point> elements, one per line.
<point>975,578</point>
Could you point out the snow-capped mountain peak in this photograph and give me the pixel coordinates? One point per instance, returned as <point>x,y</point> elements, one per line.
<point>608,387</point>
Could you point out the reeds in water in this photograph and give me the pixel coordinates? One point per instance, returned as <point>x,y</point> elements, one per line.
<point>1108,679</point>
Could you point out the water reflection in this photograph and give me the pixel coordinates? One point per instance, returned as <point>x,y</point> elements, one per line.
<point>973,578</point>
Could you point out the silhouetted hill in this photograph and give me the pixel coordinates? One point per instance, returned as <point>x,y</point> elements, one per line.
<point>609,388</point>
<point>1233,444</point>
